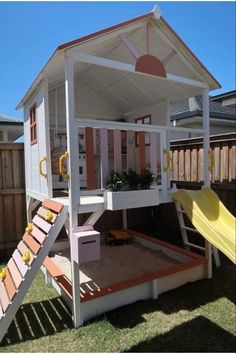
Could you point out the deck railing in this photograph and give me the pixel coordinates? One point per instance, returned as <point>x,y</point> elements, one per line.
<point>120,146</point>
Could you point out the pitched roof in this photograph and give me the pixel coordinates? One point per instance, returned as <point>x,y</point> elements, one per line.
<point>224,95</point>
<point>4,119</point>
<point>193,107</point>
<point>170,33</point>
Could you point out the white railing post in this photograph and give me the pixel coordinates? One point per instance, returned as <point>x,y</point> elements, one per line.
<point>164,174</point>
<point>74,181</point>
<point>104,156</point>
<point>206,134</point>
<point>207,182</point>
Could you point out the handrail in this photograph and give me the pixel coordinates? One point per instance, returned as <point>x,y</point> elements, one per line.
<point>61,169</point>
<point>45,175</point>
<point>113,125</point>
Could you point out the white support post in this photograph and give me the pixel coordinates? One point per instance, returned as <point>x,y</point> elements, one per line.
<point>168,115</point>
<point>74,182</point>
<point>47,138</point>
<point>206,138</point>
<point>164,175</point>
<point>207,182</point>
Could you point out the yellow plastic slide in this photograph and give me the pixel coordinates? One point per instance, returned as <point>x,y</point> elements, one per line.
<point>210,217</point>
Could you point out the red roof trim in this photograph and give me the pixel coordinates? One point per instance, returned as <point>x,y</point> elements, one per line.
<point>104,31</point>
<point>185,45</point>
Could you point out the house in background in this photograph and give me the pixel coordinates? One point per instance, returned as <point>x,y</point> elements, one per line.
<point>189,112</point>
<point>10,128</point>
<point>227,99</point>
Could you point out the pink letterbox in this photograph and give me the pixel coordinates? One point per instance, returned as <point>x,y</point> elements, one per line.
<point>85,245</point>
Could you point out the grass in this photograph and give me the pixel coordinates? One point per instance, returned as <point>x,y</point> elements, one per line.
<point>198,317</point>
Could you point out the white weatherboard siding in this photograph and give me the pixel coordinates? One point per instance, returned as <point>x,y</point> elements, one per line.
<point>36,183</point>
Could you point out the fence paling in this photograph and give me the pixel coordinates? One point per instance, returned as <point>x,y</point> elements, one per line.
<point>12,194</point>
<point>188,159</point>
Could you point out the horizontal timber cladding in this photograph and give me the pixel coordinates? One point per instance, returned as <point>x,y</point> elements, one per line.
<point>188,159</point>
<point>12,194</point>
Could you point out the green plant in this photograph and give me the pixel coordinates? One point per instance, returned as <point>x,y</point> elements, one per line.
<point>146,179</point>
<point>114,182</point>
<point>131,178</point>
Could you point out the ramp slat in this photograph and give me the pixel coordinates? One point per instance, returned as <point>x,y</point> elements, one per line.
<point>1,311</point>
<point>15,273</point>
<point>54,206</point>
<point>23,248</point>
<point>10,286</point>
<point>4,297</point>
<point>42,224</point>
<point>38,234</point>
<point>31,243</point>
<point>42,212</point>
<point>20,275</point>
<point>23,268</point>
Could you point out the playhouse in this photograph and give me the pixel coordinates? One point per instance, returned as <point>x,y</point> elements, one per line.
<point>102,103</point>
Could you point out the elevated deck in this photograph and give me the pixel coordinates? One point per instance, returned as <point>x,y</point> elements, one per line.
<point>92,203</point>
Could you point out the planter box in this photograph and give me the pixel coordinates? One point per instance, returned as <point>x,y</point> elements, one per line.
<point>131,199</point>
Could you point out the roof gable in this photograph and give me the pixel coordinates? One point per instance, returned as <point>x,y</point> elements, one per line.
<point>107,43</point>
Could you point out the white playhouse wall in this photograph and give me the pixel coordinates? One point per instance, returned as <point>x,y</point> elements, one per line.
<point>159,113</point>
<point>37,186</point>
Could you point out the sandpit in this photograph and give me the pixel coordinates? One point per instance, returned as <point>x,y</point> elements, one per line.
<point>117,264</point>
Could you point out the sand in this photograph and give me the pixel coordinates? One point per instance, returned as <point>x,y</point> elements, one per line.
<point>117,264</point>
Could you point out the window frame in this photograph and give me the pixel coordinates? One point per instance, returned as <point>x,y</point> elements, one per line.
<point>140,120</point>
<point>33,125</point>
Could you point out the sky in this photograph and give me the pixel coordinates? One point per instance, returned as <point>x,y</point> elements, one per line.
<point>31,31</point>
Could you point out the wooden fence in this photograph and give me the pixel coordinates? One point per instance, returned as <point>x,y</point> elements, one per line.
<point>187,156</point>
<point>12,194</point>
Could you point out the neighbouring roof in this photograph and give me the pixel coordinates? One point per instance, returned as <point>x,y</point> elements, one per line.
<point>225,95</point>
<point>192,107</point>
<point>171,36</point>
<point>4,119</point>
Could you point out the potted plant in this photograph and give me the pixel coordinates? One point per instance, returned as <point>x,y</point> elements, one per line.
<point>131,178</point>
<point>134,197</point>
<point>114,182</point>
<point>146,179</point>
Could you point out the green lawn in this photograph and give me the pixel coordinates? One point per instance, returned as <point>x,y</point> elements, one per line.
<point>199,317</point>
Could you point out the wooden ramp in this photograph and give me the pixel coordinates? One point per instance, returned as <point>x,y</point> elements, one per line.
<point>27,259</point>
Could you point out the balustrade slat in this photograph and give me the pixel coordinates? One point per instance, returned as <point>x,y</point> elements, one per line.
<point>90,158</point>
<point>130,149</point>
<point>117,150</point>
<point>153,152</point>
<point>142,159</point>
<point>104,156</point>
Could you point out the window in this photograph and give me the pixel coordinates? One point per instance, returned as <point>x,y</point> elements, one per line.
<point>143,120</point>
<point>33,125</point>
